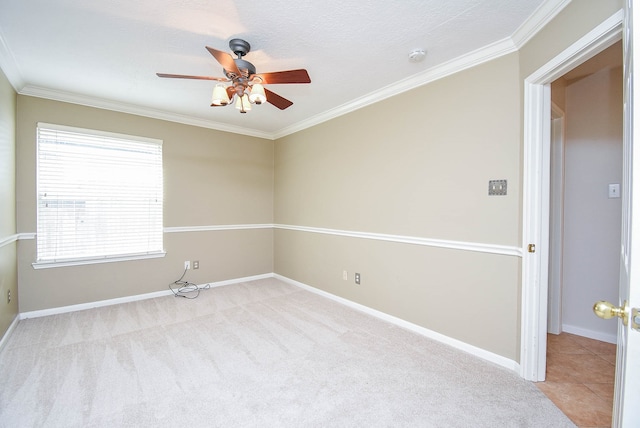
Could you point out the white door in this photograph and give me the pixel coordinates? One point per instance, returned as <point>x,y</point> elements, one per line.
<point>626,412</point>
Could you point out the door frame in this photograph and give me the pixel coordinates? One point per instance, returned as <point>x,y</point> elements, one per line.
<point>556,220</point>
<point>536,191</point>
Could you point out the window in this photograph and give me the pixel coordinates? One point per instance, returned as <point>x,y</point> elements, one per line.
<point>99,196</point>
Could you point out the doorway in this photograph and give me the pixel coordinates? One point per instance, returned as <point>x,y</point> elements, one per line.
<point>585,205</point>
<point>536,178</point>
<point>584,236</point>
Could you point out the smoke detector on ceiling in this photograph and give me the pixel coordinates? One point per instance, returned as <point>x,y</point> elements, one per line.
<point>417,55</point>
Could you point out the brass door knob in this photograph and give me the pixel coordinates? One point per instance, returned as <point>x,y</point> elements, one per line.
<point>606,310</point>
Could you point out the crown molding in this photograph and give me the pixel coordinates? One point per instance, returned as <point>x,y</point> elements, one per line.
<point>88,101</point>
<point>469,60</point>
<point>541,17</point>
<point>9,65</point>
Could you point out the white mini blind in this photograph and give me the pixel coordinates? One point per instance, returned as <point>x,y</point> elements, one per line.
<point>100,195</point>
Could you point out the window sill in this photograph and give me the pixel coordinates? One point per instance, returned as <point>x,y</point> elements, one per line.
<point>111,259</point>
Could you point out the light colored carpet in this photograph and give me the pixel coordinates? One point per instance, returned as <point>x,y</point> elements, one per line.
<point>255,354</point>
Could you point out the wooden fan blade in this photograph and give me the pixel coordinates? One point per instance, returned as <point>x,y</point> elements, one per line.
<point>289,76</point>
<point>225,60</point>
<point>184,76</point>
<point>278,101</point>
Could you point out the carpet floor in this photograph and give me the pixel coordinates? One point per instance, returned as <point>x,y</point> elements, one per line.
<point>257,354</point>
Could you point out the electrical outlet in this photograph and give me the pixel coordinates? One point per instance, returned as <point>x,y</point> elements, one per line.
<point>196,264</point>
<point>357,276</point>
<point>187,265</point>
<point>345,275</point>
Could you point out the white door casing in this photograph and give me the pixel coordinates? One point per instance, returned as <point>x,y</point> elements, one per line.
<point>556,226</point>
<point>536,191</point>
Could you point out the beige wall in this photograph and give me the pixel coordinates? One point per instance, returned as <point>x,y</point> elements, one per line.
<point>210,178</point>
<point>416,165</point>
<point>410,165</point>
<point>8,269</point>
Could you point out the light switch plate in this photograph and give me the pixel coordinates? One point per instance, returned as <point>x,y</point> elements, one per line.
<point>497,187</point>
<point>614,190</point>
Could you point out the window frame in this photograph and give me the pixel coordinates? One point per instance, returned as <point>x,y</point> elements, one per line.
<point>105,258</point>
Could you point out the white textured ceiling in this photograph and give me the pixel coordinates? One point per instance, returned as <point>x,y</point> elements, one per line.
<point>106,52</point>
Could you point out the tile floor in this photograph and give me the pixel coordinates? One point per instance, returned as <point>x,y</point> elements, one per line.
<point>580,376</point>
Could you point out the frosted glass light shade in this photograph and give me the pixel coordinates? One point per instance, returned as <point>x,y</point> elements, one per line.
<point>220,96</point>
<point>257,94</point>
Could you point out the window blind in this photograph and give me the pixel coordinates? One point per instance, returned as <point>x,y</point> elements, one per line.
<point>100,195</point>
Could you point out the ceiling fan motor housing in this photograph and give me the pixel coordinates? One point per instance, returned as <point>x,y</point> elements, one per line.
<point>239,47</point>
<point>246,68</point>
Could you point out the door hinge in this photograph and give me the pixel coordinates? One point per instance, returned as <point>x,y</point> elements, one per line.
<point>532,248</point>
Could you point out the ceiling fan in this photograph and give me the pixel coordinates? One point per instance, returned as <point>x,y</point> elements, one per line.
<point>244,83</point>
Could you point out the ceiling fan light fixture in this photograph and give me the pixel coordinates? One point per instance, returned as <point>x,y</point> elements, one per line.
<point>257,95</point>
<point>243,104</point>
<point>242,82</point>
<point>220,96</point>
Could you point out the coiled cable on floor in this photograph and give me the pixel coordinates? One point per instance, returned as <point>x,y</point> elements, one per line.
<point>186,289</point>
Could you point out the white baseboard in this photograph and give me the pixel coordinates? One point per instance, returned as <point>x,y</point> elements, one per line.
<point>7,334</point>
<point>118,300</point>
<point>478,352</point>
<point>473,350</point>
<point>591,334</point>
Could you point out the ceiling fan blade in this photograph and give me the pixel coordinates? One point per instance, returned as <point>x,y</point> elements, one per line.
<point>278,101</point>
<point>184,76</point>
<point>225,60</point>
<point>289,76</point>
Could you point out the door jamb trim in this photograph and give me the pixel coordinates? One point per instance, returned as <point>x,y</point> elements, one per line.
<point>535,192</point>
